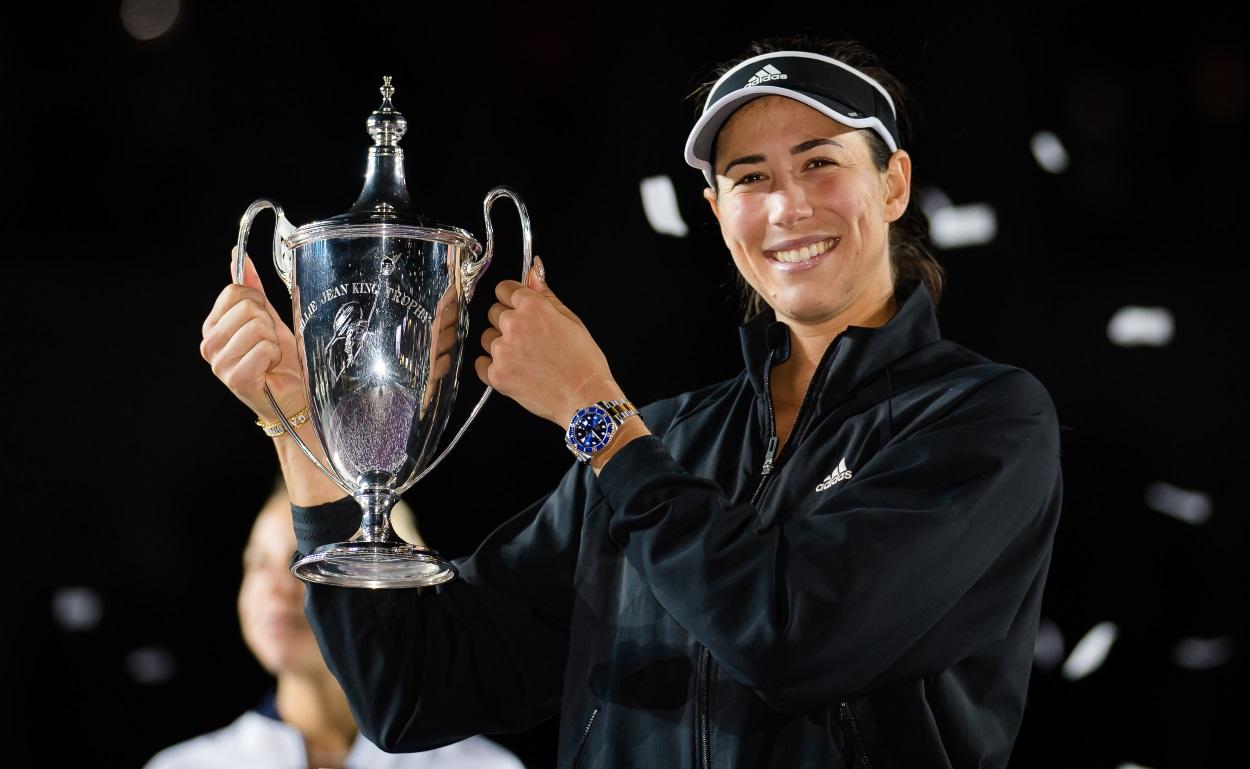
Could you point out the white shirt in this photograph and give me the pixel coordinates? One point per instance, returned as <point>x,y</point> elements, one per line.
<point>255,741</point>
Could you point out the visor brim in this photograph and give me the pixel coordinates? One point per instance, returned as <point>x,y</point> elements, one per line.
<point>701,143</point>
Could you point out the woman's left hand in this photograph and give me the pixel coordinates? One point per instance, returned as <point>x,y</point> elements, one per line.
<point>540,354</point>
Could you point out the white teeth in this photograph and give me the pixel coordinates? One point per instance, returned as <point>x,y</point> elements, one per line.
<point>804,253</point>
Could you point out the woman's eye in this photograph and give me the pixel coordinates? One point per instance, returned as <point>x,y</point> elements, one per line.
<point>820,162</point>
<point>749,178</point>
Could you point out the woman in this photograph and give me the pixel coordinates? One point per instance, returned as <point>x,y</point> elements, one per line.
<point>834,558</point>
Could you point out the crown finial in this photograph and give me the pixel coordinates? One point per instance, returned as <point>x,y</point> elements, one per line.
<point>387,125</point>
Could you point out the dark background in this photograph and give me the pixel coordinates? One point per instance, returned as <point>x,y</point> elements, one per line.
<point>133,475</point>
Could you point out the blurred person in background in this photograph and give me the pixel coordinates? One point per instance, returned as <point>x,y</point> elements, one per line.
<point>304,721</point>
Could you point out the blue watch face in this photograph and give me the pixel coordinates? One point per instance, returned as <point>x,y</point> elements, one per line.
<point>591,430</point>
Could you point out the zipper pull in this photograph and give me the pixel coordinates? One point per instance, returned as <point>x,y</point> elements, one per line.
<point>768,458</point>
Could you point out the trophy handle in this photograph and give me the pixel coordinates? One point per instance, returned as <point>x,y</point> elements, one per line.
<point>470,273</point>
<point>282,261</point>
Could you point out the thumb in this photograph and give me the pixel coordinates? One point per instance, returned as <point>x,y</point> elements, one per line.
<point>251,278</point>
<point>537,280</point>
<point>537,277</point>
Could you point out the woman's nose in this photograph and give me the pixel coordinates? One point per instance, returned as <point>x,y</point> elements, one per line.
<point>788,203</point>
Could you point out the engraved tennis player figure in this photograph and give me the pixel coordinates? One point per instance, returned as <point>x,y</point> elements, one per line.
<point>352,324</point>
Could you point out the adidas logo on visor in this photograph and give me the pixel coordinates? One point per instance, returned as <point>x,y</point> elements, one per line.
<point>769,72</point>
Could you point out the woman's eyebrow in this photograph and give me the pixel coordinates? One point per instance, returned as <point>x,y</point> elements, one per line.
<point>799,149</point>
<point>743,159</point>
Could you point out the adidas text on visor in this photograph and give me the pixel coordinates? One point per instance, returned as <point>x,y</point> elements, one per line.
<point>828,86</point>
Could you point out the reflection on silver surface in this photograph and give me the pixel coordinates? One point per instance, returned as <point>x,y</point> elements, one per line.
<point>380,297</point>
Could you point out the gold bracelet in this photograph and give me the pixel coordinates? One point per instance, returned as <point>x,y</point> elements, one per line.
<point>274,429</point>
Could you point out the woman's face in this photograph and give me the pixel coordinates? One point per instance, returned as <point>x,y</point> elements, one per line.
<point>805,213</point>
<point>271,599</point>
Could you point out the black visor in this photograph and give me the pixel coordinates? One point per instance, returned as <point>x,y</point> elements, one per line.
<point>837,90</point>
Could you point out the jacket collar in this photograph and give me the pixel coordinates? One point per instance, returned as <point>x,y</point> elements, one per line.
<point>858,353</point>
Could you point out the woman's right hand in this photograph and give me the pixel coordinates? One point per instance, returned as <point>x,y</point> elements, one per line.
<point>248,346</point>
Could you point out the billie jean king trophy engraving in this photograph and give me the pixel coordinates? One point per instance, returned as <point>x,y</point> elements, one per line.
<point>380,298</point>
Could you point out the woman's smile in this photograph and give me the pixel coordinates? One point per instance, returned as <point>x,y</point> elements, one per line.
<point>802,256</point>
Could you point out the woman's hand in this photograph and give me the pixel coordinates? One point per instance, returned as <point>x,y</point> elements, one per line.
<point>540,354</point>
<point>248,345</point>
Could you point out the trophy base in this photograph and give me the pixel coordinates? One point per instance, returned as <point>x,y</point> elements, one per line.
<point>374,565</point>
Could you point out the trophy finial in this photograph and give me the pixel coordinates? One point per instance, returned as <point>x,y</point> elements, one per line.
<point>387,125</point>
<point>387,90</point>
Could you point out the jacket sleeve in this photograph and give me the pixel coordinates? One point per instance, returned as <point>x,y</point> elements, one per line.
<point>876,584</point>
<point>483,653</point>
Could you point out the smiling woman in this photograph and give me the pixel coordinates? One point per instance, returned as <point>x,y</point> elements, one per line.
<point>805,213</point>
<point>881,120</point>
<point>835,558</point>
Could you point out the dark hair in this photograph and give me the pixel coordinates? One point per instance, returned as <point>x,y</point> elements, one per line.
<point>910,257</point>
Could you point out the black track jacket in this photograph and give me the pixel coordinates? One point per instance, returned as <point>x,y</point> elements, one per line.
<point>867,597</point>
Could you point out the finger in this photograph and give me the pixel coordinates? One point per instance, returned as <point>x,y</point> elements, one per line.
<point>217,337</point>
<point>247,374</point>
<point>229,297</point>
<point>251,277</point>
<point>537,281</point>
<point>445,319</point>
<point>233,318</point>
<point>495,312</point>
<point>488,338</point>
<point>482,367</point>
<point>446,302</point>
<point>255,332</point>
<point>505,291</point>
<point>537,277</point>
<point>234,262</point>
<point>442,364</point>
<point>446,340</point>
<point>523,296</point>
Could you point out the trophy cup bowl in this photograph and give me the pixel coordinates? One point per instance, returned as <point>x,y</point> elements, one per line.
<point>379,304</point>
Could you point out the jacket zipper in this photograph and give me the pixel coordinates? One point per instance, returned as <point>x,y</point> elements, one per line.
<point>859,759</point>
<point>706,663</point>
<point>772,433</point>
<point>771,454</point>
<point>705,707</point>
<point>581,746</point>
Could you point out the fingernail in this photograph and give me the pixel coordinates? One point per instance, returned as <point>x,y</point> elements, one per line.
<point>538,267</point>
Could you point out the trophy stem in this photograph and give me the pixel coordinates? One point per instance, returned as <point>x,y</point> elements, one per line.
<point>375,523</point>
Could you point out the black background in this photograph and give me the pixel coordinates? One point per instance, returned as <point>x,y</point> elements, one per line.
<point>127,164</point>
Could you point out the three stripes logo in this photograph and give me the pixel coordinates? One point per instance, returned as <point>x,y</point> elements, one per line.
<point>840,474</point>
<point>769,72</point>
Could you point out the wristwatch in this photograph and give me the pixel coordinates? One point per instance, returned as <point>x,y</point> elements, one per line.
<point>591,429</point>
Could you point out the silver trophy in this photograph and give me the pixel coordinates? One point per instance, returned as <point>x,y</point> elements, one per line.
<point>379,297</point>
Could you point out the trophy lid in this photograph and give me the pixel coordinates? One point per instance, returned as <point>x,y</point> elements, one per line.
<point>384,199</point>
